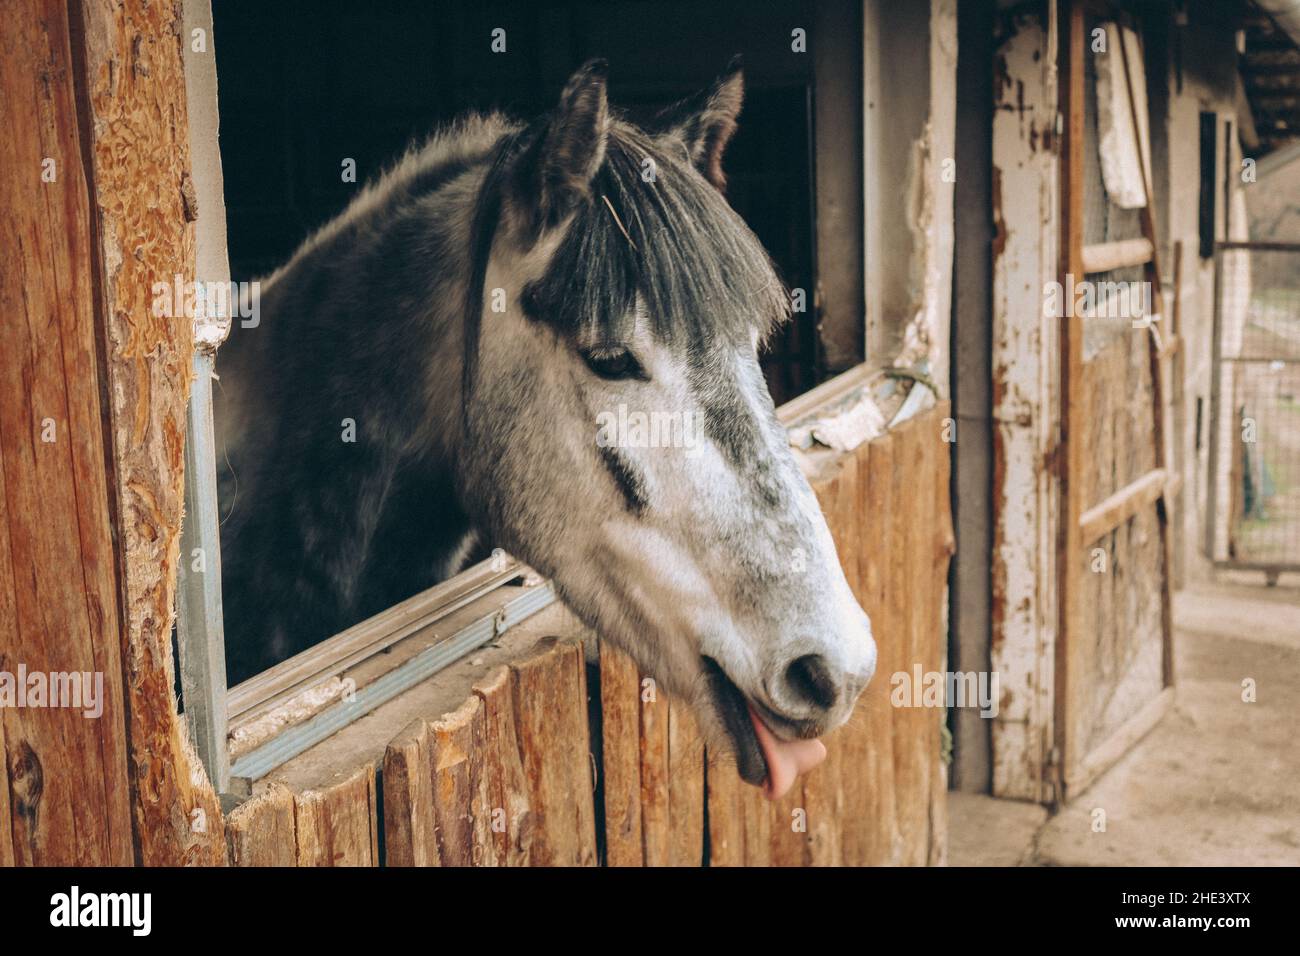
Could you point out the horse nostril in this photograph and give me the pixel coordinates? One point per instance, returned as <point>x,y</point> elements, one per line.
<point>811,681</point>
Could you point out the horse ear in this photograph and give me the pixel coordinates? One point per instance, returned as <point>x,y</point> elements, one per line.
<point>707,121</point>
<point>572,147</point>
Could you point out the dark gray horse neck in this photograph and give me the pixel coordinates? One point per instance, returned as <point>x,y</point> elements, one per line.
<point>361,329</point>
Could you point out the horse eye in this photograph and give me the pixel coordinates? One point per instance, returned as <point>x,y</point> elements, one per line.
<point>614,363</point>
<point>531,302</point>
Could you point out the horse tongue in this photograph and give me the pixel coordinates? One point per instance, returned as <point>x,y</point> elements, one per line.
<point>785,759</point>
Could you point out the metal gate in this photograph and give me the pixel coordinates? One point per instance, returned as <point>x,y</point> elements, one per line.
<point>1253,500</point>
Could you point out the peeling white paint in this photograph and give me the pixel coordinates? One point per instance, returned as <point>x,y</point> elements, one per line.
<point>1025,396</point>
<point>925,338</point>
<point>1116,145</point>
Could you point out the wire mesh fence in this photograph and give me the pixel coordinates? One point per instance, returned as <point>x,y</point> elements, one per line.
<point>1254,481</point>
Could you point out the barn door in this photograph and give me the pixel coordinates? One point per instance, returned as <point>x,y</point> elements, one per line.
<point>1114,667</point>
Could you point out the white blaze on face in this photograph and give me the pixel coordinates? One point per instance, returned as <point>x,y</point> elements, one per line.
<point>669,581</point>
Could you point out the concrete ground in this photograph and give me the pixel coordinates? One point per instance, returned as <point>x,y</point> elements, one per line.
<point>1217,783</point>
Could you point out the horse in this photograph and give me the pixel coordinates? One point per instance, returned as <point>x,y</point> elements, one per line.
<point>436,368</point>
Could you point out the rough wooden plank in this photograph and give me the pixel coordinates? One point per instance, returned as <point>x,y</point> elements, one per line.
<point>66,796</point>
<point>1108,515</point>
<point>456,743</point>
<point>261,832</point>
<point>786,828</point>
<point>873,796</point>
<point>654,774</point>
<point>338,826</point>
<point>550,702</point>
<point>655,819</point>
<point>438,807</point>
<point>757,813</point>
<point>1025,397</point>
<point>409,823</point>
<point>128,62</point>
<point>620,715</point>
<point>510,818</point>
<point>726,815</point>
<point>685,787</point>
<point>945,548</point>
<point>910,560</point>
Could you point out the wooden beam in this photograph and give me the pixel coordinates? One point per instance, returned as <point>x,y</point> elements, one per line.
<point>339,825</point>
<point>507,788</point>
<point>131,86</point>
<point>549,694</point>
<point>620,724</point>
<point>261,831</point>
<point>64,791</point>
<point>1122,505</point>
<point>1122,254</point>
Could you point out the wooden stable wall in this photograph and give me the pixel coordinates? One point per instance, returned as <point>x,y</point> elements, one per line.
<point>512,776</point>
<point>93,391</point>
<point>93,179</point>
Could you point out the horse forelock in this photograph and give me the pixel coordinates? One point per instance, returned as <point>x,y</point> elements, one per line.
<point>655,233</point>
<point>653,237</point>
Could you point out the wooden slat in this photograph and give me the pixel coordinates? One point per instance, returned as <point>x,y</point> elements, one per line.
<point>726,813</point>
<point>459,790</point>
<point>66,796</point>
<point>131,89</point>
<point>445,780</point>
<point>503,780</point>
<point>871,792</point>
<point>655,820</point>
<point>685,787</point>
<point>654,772</point>
<point>509,817</point>
<point>826,792</point>
<point>912,548</point>
<point>1122,505</point>
<point>620,709</point>
<point>409,820</point>
<point>261,832</point>
<point>550,701</point>
<point>1121,254</point>
<point>944,545</point>
<point>338,826</point>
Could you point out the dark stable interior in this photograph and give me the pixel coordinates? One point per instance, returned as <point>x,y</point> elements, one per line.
<point>304,84</point>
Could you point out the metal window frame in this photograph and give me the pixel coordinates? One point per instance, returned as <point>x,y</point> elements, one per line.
<point>212,709</point>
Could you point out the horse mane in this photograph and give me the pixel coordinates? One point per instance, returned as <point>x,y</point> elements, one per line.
<point>673,242</point>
